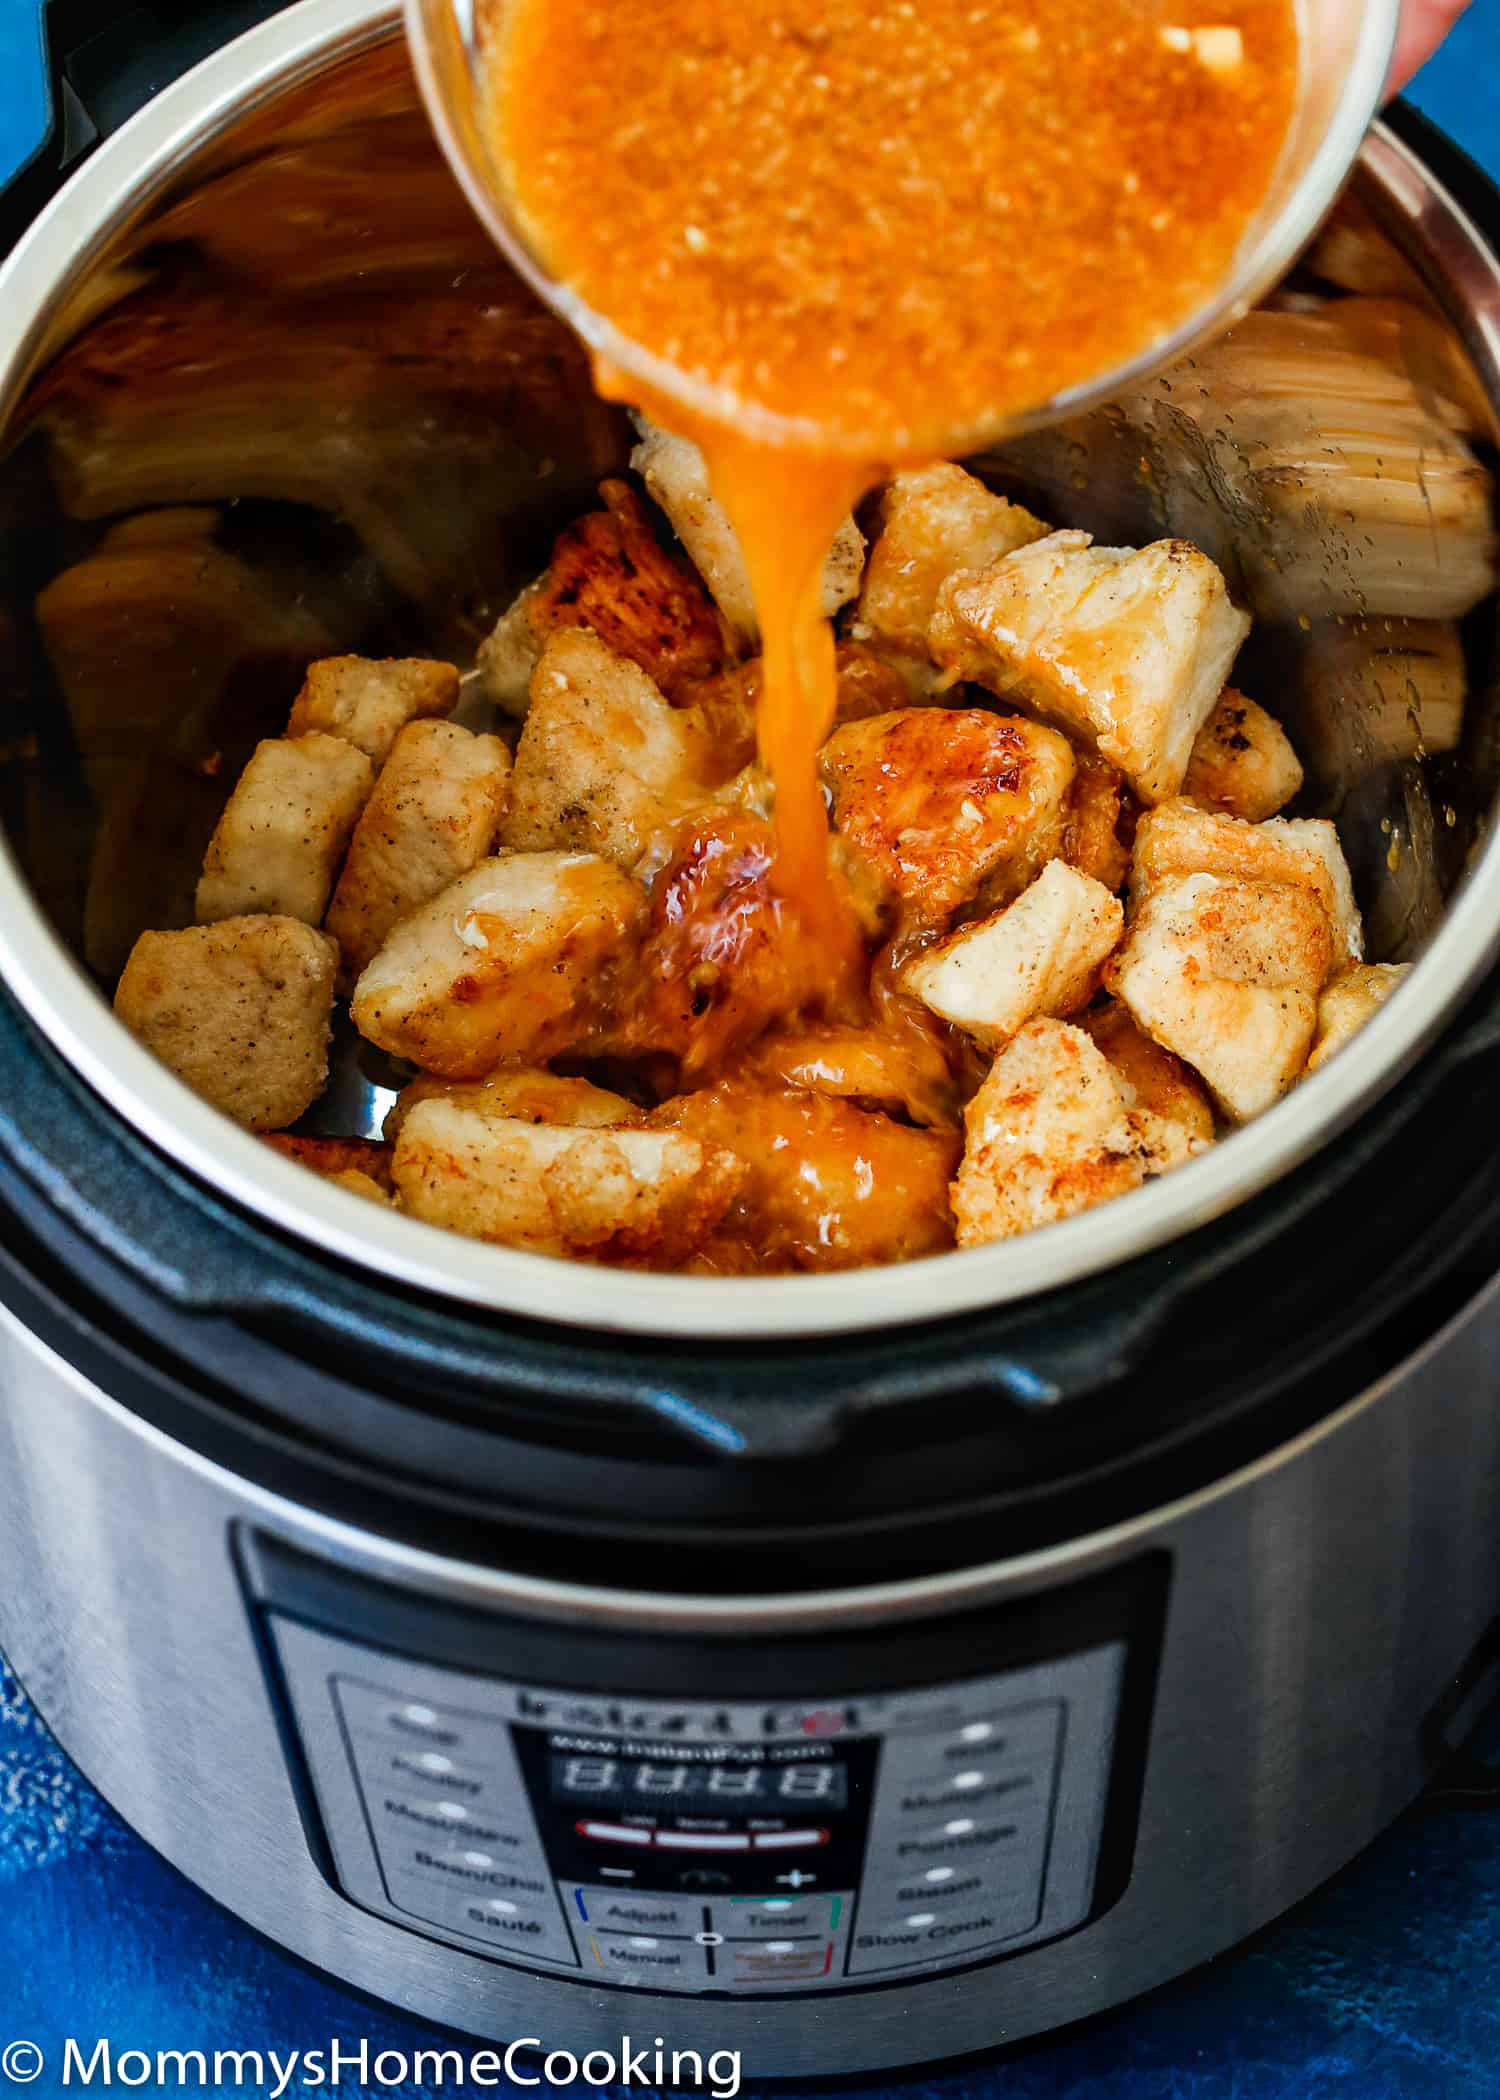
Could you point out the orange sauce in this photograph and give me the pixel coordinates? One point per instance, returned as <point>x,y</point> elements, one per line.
<point>863,232</point>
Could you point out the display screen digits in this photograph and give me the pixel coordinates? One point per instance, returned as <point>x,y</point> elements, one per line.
<point>765,1789</point>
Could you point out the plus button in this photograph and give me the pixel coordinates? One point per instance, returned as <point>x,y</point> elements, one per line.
<point>796,1879</point>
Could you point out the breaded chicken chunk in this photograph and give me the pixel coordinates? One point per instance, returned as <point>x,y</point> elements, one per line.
<point>284,831</point>
<point>611,575</point>
<point>509,965</point>
<point>1179,838</point>
<point>435,811</point>
<point>939,801</point>
<point>1040,955</point>
<point>1153,1081</point>
<point>368,701</point>
<point>827,1185</point>
<point>1243,762</point>
<point>899,1069</point>
<point>1227,974</point>
<point>333,1158</point>
<point>934,520</point>
<point>1097,812</point>
<point>642,1195</point>
<point>239,1010</point>
<point>603,762</point>
<point>508,655</point>
<point>1047,1135</point>
<point>524,1094</point>
<point>1127,648</point>
<point>1354,997</point>
<point>676,477</point>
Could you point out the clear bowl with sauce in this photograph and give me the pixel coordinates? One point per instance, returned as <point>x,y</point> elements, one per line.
<point>1345,52</point>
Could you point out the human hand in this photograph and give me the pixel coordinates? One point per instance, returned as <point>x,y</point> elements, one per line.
<point>1424,24</point>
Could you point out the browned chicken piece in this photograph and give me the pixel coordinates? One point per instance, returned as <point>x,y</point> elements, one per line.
<point>368,701</point>
<point>609,573</point>
<point>1179,838</point>
<point>900,1072</point>
<point>1040,955</point>
<point>1354,997</point>
<point>435,811</point>
<point>1243,762</point>
<point>333,1158</point>
<point>512,964</point>
<point>1128,648</point>
<point>285,829</point>
<point>240,1011</point>
<point>604,763</point>
<point>938,801</point>
<point>1227,973</point>
<point>1047,1135</point>
<point>676,477</point>
<point>521,1095</point>
<point>649,1196</point>
<point>1100,808</point>
<point>1152,1080</point>
<point>867,685</point>
<point>934,520</point>
<point>827,1185</point>
<point>724,956</point>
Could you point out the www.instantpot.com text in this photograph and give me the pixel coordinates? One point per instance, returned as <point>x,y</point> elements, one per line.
<point>527,2062</point>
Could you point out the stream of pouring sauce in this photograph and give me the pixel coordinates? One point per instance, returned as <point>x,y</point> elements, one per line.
<point>870,230</point>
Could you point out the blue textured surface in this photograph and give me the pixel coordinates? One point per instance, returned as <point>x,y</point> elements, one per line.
<point>1384,1986</point>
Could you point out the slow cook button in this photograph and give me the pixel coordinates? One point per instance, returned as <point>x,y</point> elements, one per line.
<point>774,1962</point>
<point>629,1910</point>
<point>925,1936</point>
<point>648,1957</point>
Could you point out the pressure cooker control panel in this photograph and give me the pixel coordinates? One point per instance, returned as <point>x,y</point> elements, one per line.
<point>710,1846</point>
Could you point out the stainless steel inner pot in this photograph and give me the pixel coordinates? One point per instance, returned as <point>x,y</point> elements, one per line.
<point>269,393</point>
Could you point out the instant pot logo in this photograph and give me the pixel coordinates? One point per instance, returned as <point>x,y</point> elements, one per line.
<point>627,1717</point>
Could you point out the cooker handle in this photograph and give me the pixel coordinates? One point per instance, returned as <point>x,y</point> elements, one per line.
<point>102,62</point>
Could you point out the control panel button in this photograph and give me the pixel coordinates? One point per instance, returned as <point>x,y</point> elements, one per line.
<point>777,1962</point>
<point>788,1840</point>
<point>702,1841</point>
<point>471,1867</point>
<point>636,1910</point>
<point>777,1917</point>
<point>448,1819</point>
<point>614,1833</point>
<point>913,1937</point>
<point>651,1959</point>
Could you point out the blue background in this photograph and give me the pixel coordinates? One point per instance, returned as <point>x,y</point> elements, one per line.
<point>1384,1986</point>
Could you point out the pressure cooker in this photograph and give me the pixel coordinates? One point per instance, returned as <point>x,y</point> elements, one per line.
<point>848,1670</point>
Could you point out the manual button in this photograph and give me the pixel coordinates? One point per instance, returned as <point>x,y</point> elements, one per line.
<point>646,1957</point>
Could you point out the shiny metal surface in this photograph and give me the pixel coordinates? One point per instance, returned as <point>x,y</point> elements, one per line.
<point>264,303</point>
<point>1346,55</point>
<point>1319,1604</point>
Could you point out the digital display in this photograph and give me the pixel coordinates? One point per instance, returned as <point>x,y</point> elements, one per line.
<point>758,1789</point>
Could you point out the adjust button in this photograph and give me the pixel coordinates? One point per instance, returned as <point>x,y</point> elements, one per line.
<point>634,1911</point>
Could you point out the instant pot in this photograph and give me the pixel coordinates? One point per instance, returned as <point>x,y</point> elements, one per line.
<point>849,1670</point>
